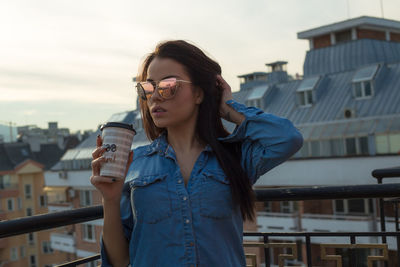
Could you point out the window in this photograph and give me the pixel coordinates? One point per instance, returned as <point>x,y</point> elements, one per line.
<point>14,254</point>
<point>306,98</point>
<point>362,89</point>
<point>28,211</point>
<point>363,82</point>
<point>19,203</point>
<point>32,261</point>
<point>357,146</point>
<point>382,144</point>
<point>85,197</point>
<point>351,146</point>
<point>394,141</point>
<point>10,204</point>
<point>88,232</point>
<point>22,251</point>
<point>46,247</point>
<point>268,206</point>
<point>31,239</point>
<point>337,147</point>
<point>5,181</point>
<point>42,201</point>
<point>343,36</point>
<point>305,91</point>
<point>28,191</point>
<point>287,207</point>
<point>353,206</point>
<point>315,149</point>
<point>363,145</point>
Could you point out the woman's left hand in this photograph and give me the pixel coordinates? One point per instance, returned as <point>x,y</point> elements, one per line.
<point>226,111</point>
<point>226,95</point>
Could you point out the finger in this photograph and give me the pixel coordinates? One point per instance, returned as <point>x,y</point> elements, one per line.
<point>96,164</point>
<point>99,141</point>
<point>95,179</point>
<point>98,152</point>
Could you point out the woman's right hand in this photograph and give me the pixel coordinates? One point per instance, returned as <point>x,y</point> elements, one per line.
<point>110,188</point>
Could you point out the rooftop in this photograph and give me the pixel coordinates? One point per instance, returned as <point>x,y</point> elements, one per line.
<point>364,21</point>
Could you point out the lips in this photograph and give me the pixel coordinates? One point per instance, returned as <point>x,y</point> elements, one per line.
<point>157,109</point>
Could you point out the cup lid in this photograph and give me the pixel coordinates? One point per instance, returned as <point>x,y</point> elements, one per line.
<point>119,125</point>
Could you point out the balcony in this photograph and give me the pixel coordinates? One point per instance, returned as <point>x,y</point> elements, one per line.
<point>344,241</point>
<point>62,242</point>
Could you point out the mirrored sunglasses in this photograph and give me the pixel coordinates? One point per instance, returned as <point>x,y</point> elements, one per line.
<point>166,88</point>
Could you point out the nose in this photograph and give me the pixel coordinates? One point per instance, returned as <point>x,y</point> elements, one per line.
<point>155,96</point>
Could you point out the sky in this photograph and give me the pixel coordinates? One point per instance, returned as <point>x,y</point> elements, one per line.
<point>73,61</point>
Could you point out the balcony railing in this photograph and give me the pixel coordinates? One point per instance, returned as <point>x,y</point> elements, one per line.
<point>267,240</point>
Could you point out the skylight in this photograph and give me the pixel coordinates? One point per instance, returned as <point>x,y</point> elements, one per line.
<point>308,84</point>
<point>365,74</point>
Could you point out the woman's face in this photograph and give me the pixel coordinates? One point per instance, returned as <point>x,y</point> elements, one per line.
<point>182,108</point>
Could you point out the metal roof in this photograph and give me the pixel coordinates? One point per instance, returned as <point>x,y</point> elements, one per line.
<point>366,73</point>
<point>326,119</point>
<point>350,56</point>
<point>364,21</point>
<point>257,73</point>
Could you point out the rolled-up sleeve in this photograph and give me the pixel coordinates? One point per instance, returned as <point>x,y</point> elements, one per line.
<point>267,140</point>
<point>127,222</point>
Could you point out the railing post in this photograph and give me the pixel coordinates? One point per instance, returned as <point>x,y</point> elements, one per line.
<point>308,247</point>
<point>353,255</point>
<point>382,213</point>
<point>266,252</point>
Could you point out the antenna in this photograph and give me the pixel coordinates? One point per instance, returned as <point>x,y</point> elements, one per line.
<point>382,8</point>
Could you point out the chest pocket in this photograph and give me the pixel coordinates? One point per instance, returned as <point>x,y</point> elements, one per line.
<point>150,198</point>
<point>216,198</point>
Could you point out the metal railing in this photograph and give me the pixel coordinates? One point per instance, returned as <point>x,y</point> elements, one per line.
<point>57,219</point>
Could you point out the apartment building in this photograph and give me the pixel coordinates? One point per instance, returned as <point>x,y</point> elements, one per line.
<point>22,195</point>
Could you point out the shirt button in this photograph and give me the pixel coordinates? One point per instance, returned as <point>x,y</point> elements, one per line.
<point>187,221</point>
<point>179,181</point>
<point>184,198</point>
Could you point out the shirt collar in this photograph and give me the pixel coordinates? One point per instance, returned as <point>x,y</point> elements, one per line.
<point>160,145</point>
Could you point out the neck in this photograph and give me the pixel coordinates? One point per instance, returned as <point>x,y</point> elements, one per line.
<point>183,138</point>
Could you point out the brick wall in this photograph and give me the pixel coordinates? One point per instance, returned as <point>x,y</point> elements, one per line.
<point>370,34</point>
<point>395,37</point>
<point>322,41</point>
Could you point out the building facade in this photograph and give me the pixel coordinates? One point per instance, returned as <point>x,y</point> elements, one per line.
<point>22,195</point>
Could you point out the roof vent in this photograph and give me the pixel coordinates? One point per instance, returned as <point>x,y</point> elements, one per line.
<point>349,113</point>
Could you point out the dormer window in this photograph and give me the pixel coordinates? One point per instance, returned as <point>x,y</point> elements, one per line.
<point>255,99</point>
<point>306,91</point>
<point>363,82</point>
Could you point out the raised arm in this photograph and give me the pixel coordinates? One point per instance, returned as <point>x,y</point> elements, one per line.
<point>267,140</point>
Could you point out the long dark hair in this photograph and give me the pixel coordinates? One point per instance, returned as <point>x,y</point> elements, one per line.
<point>203,70</point>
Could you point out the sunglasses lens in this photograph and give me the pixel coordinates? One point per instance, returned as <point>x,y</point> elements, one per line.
<point>148,89</point>
<point>167,88</point>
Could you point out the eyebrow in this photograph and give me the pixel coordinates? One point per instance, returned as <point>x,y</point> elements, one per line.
<point>166,77</point>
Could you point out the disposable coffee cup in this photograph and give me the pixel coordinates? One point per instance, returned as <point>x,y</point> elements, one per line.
<point>117,138</point>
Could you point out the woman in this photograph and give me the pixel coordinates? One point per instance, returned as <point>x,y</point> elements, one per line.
<point>185,195</point>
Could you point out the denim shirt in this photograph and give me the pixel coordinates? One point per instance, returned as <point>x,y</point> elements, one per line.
<point>169,224</point>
